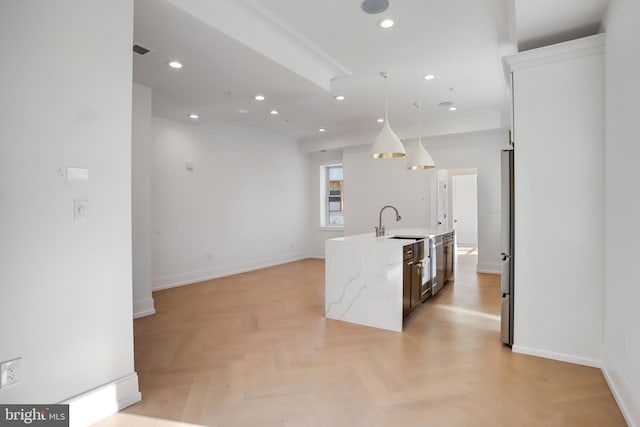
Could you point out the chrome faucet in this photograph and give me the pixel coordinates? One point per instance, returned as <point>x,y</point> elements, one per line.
<point>380,227</point>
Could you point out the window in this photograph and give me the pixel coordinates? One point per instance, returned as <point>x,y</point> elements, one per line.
<point>332,196</point>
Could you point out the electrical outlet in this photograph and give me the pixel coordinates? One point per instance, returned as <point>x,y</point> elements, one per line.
<point>10,372</point>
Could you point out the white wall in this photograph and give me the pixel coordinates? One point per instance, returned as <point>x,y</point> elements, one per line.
<point>370,184</point>
<point>318,234</point>
<point>480,151</point>
<point>244,205</point>
<point>622,207</point>
<point>66,286</point>
<point>559,201</point>
<point>141,200</point>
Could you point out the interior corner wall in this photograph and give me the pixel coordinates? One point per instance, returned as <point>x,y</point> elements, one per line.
<point>622,207</point>
<point>226,198</point>
<point>370,184</point>
<point>66,285</point>
<point>480,151</point>
<point>317,234</point>
<point>141,200</point>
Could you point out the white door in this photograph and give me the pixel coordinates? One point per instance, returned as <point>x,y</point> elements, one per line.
<point>465,208</point>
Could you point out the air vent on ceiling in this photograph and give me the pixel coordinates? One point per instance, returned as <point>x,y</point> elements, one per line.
<point>140,50</point>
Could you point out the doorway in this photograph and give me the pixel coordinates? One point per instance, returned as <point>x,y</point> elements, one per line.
<point>455,197</point>
<point>464,208</point>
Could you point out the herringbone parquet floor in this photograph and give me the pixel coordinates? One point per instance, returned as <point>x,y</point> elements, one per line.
<point>255,350</point>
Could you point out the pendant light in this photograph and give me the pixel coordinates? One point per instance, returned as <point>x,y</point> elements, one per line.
<point>420,159</point>
<point>387,144</point>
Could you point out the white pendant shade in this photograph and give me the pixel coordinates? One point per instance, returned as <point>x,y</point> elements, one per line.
<point>387,144</point>
<point>421,159</point>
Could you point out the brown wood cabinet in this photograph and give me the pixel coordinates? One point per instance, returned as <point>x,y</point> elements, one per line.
<point>449,256</point>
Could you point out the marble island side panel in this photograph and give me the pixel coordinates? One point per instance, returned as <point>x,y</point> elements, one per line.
<point>363,281</point>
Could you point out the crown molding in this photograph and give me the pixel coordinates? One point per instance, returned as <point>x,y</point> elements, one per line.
<point>585,46</point>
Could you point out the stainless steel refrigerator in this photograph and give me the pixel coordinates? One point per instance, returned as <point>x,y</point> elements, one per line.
<point>506,279</point>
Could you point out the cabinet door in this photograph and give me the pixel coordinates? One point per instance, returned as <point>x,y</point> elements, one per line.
<point>448,258</point>
<point>406,287</point>
<point>440,263</point>
<point>416,280</point>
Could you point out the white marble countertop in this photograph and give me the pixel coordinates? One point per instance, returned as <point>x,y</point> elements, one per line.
<point>413,232</point>
<point>363,277</point>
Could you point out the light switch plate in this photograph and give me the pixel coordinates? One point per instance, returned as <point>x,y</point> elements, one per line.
<point>80,210</point>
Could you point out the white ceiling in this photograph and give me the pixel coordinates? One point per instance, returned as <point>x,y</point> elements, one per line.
<point>300,54</point>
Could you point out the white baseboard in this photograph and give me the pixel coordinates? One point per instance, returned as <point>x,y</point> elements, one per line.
<point>187,278</point>
<point>97,404</point>
<point>627,400</point>
<point>578,360</point>
<point>488,267</point>
<point>316,256</point>
<point>485,271</point>
<point>143,307</point>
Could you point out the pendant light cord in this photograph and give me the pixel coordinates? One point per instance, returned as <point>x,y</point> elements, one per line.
<point>419,128</point>
<point>386,99</point>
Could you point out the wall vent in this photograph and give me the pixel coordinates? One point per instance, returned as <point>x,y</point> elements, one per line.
<point>140,50</point>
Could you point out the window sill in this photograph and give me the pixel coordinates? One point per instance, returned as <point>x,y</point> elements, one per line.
<point>331,228</point>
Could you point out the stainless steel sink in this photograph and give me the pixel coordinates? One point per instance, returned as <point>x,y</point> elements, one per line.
<point>416,238</point>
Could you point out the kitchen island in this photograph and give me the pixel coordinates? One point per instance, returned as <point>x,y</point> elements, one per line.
<point>364,276</point>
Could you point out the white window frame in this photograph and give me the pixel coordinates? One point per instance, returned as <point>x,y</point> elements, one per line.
<point>324,197</point>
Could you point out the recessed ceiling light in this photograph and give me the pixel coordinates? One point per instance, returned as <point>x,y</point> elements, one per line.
<point>445,104</point>
<point>274,112</point>
<point>322,130</point>
<point>380,120</point>
<point>385,23</point>
<point>194,116</point>
<point>452,108</point>
<point>175,64</point>
<point>339,97</point>
<point>259,98</point>
<point>428,77</point>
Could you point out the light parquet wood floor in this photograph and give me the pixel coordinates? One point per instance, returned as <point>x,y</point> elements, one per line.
<point>255,350</point>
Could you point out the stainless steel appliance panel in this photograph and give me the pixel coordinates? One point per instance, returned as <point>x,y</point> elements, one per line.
<point>425,270</point>
<point>508,245</point>
<point>504,318</point>
<point>432,255</point>
<point>438,281</point>
<point>504,274</point>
